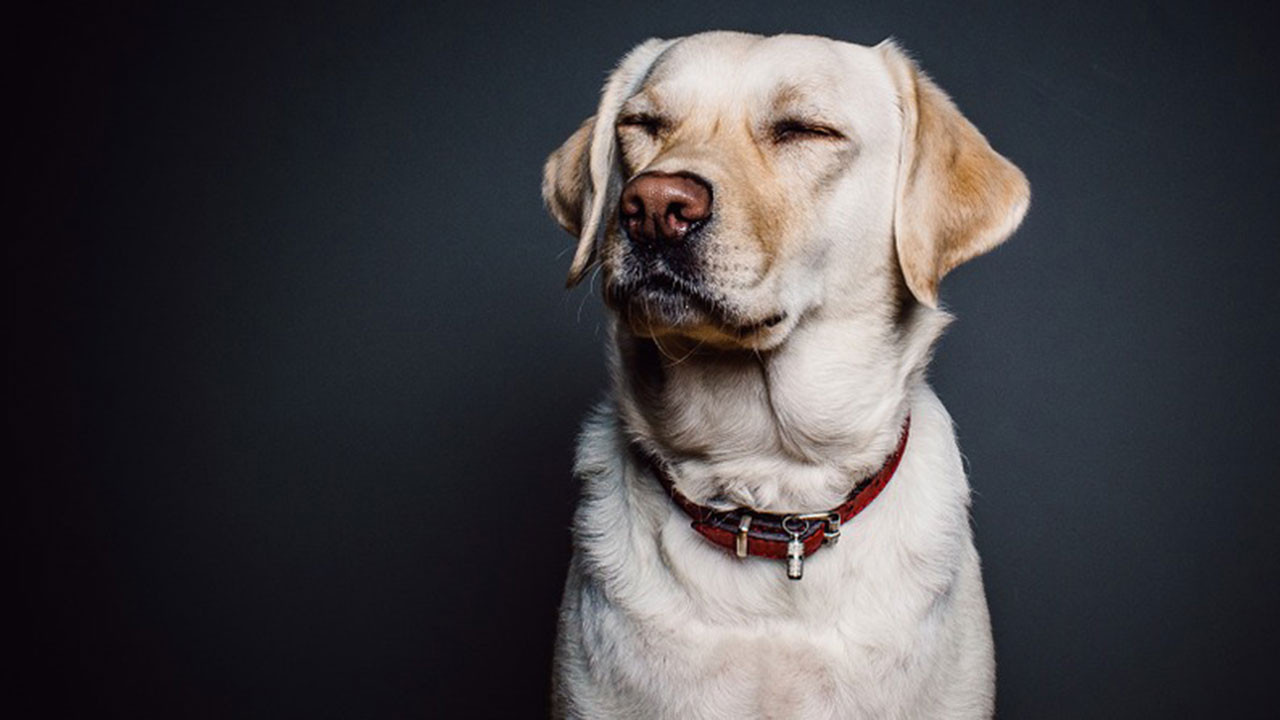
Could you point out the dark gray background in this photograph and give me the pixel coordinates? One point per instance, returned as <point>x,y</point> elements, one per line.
<point>294,384</point>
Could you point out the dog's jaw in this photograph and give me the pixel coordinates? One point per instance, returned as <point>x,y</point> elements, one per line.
<point>656,302</point>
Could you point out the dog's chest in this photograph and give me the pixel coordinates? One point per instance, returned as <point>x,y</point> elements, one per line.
<point>679,668</point>
<point>737,639</point>
<point>772,675</point>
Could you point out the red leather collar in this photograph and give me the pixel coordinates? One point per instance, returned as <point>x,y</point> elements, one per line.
<point>790,537</point>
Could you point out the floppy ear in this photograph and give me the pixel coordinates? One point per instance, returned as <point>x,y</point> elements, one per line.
<point>564,179</point>
<point>582,178</point>
<point>957,198</point>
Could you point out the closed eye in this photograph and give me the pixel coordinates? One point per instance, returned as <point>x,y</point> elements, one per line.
<point>794,129</point>
<point>654,125</point>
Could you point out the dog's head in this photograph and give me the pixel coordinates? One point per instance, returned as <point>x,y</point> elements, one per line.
<point>730,184</point>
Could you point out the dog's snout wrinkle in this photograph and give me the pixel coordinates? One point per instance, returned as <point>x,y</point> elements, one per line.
<point>663,206</point>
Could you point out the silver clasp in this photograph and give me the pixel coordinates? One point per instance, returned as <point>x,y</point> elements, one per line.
<point>831,534</point>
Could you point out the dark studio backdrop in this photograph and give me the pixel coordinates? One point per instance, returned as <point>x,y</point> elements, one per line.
<point>294,384</point>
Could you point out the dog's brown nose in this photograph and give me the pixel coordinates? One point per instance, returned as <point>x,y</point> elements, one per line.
<point>660,206</point>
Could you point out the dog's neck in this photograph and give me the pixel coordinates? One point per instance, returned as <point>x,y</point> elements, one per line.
<point>789,429</point>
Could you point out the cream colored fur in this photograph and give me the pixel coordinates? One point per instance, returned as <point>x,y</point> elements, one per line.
<point>840,234</point>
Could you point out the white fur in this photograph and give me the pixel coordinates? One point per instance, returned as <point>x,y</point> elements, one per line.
<point>892,622</point>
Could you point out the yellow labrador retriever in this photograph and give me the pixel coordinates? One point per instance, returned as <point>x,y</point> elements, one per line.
<point>771,217</point>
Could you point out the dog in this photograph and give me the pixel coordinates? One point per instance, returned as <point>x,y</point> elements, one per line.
<point>771,217</point>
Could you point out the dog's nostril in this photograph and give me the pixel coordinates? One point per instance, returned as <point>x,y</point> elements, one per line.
<point>663,206</point>
<point>632,206</point>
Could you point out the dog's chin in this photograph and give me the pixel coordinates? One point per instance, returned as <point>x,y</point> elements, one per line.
<point>659,311</point>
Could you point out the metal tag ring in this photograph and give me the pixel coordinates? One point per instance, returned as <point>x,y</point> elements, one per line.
<point>787,522</point>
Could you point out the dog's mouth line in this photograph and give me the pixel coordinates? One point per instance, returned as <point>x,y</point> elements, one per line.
<point>620,295</point>
<point>769,322</point>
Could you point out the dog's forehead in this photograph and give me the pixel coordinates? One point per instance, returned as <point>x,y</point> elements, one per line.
<point>733,69</point>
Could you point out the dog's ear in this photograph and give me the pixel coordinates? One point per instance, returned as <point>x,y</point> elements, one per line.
<point>564,179</point>
<point>957,198</point>
<point>582,178</point>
